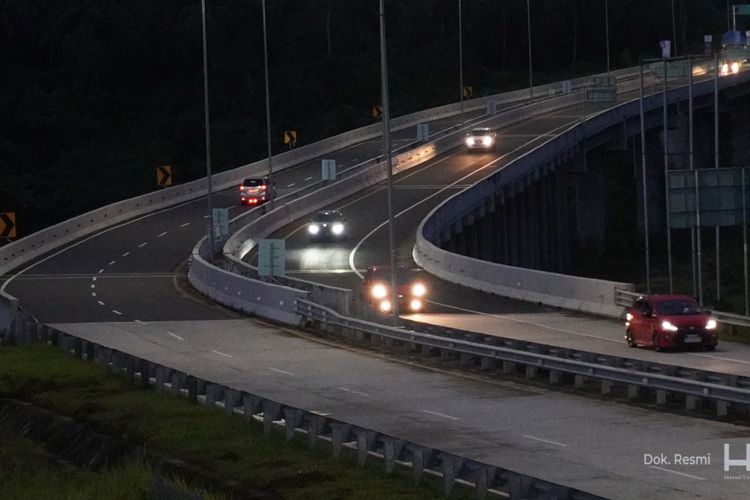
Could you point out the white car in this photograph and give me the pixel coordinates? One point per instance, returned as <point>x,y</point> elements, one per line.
<point>481,138</point>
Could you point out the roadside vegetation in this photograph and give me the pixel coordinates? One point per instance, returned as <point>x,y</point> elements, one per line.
<point>227,448</point>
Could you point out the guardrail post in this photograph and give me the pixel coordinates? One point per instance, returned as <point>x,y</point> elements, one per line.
<point>392,447</point>
<point>292,419</point>
<point>339,432</point>
<point>579,381</point>
<point>78,347</point>
<point>144,367</point>
<point>607,386</point>
<point>555,377</point>
<point>481,481</point>
<point>192,387</point>
<point>271,412</point>
<point>508,367</point>
<point>161,376</point>
<point>530,371</point>
<point>231,398</point>
<point>176,378</point>
<point>365,439</point>
<point>316,424</point>
<point>488,364</point>
<point>691,402</point>
<point>130,366</point>
<point>722,408</point>
<point>661,397</point>
<point>251,405</point>
<point>90,352</point>
<point>465,359</point>
<point>419,457</point>
<point>633,391</point>
<point>449,473</point>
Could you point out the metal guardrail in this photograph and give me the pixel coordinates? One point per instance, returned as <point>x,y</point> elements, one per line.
<point>343,437</point>
<point>486,354</point>
<point>626,298</point>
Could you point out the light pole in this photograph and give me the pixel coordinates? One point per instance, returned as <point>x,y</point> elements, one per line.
<point>268,98</point>
<point>387,157</point>
<point>674,31</point>
<point>208,134</point>
<point>460,59</point>
<point>531,75</point>
<point>643,182</point>
<point>606,31</point>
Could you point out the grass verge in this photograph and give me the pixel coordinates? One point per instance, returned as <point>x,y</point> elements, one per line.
<point>226,445</point>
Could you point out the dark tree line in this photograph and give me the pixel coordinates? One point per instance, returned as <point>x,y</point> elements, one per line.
<point>97,93</point>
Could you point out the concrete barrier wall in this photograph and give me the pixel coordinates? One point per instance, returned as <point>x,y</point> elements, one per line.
<point>570,292</point>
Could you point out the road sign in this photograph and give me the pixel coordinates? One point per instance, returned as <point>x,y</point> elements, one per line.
<point>328,170</point>
<point>271,258</point>
<point>7,225</point>
<point>468,91</point>
<point>290,137</point>
<point>221,222</point>
<point>164,175</point>
<point>377,111</point>
<point>719,199</point>
<point>742,9</point>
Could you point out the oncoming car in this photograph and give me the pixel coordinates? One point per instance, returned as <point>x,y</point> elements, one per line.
<point>666,321</point>
<point>256,191</point>
<point>376,289</point>
<point>327,224</point>
<point>481,138</point>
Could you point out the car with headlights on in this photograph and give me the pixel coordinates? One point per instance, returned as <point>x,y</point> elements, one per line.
<point>669,321</point>
<point>481,138</point>
<point>256,191</point>
<point>327,225</point>
<point>411,289</point>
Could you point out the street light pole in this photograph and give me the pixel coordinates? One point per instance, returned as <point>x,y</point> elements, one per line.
<point>606,30</point>
<point>208,134</point>
<point>268,98</point>
<point>461,59</point>
<point>387,157</point>
<point>531,75</point>
<point>643,182</point>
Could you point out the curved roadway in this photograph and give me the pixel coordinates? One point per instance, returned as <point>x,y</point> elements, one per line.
<point>125,287</point>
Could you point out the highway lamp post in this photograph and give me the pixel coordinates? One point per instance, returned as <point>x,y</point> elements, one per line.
<point>460,59</point>
<point>531,75</point>
<point>208,134</point>
<point>666,176</point>
<point>387,157</point>
<point>268,98</point>
<point>695,244</point>
<point>643,184</point>
<point>606,35</point>
<point>674,30</point>
<point>716,164</point>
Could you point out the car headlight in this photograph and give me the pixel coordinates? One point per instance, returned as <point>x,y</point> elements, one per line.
<point>418,290</point>
<point>337,228</point>
<point>668,327</point>
<point>711,324</point>
<point>385,305</point>
<point>313,229</point>
<point>379,291</point>
<point>469,141</point>
<point>735,67</point>
<point>415,305</point>
<point>724,69</point>
<point>487,141</point>
<point>628,317</point>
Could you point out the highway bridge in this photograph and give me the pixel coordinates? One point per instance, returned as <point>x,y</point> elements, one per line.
<point>121,277</point>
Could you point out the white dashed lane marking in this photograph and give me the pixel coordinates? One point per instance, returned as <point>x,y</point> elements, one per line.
<point>126,254</point>
<point>101,303</point>
<point>117,312</point>
<point>112,262</point>
<point>527,436</point>
<point>162,234</point>
<point>221,353</point>
<point>309,178</point>
<point>101,271</point>
<point>175,336</point>
<point>438,414</point>
<point>354,392</point>
<point>281,371</point>
<point>140,322</point>
<point>185,224</point>
<point>142,245</point>
<point>93,286</point>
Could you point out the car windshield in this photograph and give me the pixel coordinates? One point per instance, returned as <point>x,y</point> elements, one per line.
<point>481,132</point>
<point>326,217</point>
<point>676,307</point>
<point>253,182</point>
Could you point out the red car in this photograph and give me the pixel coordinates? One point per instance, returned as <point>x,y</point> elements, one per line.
<point>665,321</point>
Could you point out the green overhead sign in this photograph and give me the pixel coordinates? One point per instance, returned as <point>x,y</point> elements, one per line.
<point>742,9</point>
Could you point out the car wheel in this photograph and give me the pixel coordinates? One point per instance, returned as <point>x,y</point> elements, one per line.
<point>655,343</point>
<point>629,338</point>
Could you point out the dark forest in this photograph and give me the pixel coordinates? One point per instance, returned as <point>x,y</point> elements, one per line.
<point>97,93</point>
